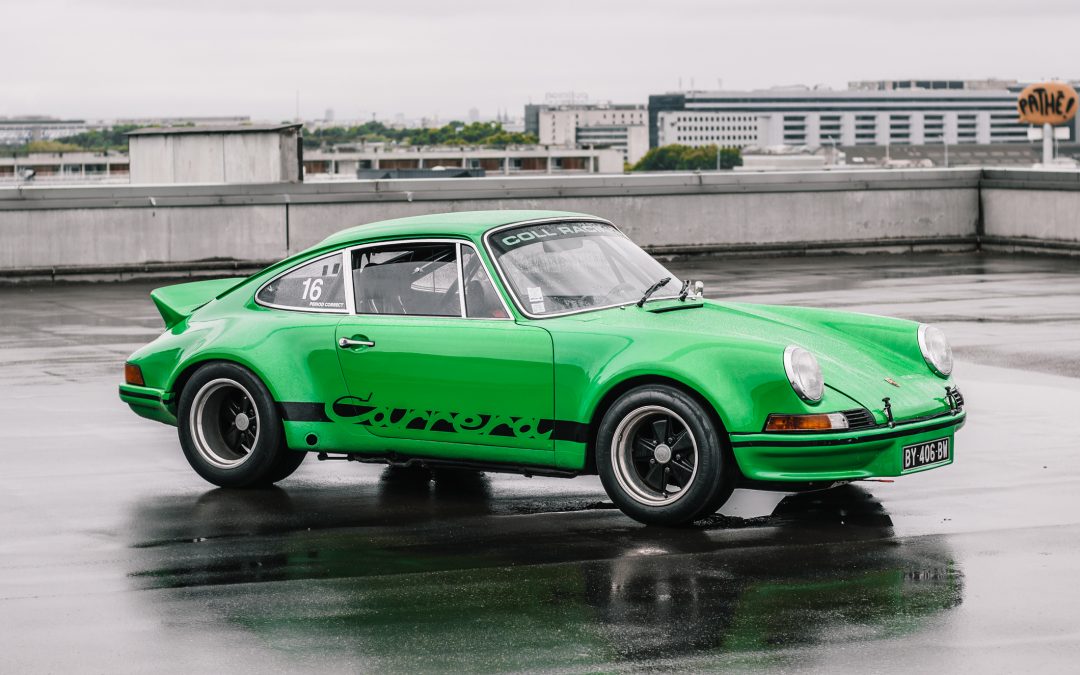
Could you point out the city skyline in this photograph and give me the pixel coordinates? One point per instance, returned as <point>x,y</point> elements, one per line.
<point>104,59</point>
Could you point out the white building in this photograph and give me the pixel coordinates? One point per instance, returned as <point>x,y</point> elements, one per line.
<point>513,160</point>
<point>65,167</point>
<point>620,127</point>
<point>885,113</point>
<point>16,131</point>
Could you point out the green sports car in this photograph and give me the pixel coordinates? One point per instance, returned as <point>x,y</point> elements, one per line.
<point>541,343</point>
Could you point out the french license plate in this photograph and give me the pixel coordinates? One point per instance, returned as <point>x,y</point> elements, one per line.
<point>926,454</point>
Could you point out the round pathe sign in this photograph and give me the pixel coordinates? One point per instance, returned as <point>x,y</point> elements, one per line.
<point>1052,103</point>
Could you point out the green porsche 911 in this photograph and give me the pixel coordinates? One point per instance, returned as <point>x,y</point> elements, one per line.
<point>541,343</point>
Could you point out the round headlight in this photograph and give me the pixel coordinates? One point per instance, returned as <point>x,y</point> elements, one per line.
<point>804,374</point>
<point>936,350</point>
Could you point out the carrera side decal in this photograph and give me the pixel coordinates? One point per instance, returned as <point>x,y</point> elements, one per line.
<point>352,410</point>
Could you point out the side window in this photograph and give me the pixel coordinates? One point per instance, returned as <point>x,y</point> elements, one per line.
<point>317,286</point>
<point>416,280</point>
<point>481,298</point>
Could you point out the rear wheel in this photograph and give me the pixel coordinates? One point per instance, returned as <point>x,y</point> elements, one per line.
<point>660,457</point>
<point>230,429</point>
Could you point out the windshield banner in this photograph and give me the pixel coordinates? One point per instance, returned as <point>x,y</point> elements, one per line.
<point>513,238</point>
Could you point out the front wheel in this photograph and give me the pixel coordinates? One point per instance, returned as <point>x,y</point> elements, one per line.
<point>230,429</point>
<point>660,457</point>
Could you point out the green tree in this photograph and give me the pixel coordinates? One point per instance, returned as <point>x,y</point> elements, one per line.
<point>51,146</point>
<point>454,133</point>
<point>686,158</point>
<point>113,138</point>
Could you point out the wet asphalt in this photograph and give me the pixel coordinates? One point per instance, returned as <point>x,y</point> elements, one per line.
<point>116,557</point>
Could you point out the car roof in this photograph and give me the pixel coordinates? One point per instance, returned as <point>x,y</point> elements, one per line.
<point>460,223</point>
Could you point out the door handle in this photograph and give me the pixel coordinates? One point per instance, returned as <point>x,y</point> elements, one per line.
<point>346,343</point>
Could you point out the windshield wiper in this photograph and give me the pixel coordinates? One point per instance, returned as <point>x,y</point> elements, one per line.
<point>684,291</point>
<point>652,289</point>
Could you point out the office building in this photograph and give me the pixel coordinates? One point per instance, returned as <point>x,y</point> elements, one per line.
<point>65,167</point>
<point>591,125</point>
<point>900,112</point>
<point>513,160</point>
<point>16,131</point>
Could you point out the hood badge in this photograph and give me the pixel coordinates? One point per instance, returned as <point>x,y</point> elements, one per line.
<point>892,382</point>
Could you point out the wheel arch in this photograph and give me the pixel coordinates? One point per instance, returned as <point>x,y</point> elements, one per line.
<point>188,370</point>
<point>622,386</point>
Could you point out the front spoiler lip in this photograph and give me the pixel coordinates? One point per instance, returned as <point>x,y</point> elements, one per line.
<point>954,421</point>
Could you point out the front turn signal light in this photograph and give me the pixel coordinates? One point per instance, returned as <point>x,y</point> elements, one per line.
<point>815,422</point>
<point>133,375</point>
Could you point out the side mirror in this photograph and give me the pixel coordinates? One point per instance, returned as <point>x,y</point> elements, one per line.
<point>699,289</point>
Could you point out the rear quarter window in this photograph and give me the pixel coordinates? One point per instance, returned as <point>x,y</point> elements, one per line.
<point>317,286</point>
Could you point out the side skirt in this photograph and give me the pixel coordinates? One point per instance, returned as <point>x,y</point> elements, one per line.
<point>395,459</point>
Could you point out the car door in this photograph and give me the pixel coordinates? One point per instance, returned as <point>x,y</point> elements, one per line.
<point>438,372</point>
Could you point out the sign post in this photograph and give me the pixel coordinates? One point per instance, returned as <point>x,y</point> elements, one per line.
<point>1048,143</point>
<point>1048,104</point>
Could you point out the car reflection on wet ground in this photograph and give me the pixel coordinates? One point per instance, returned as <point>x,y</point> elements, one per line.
<point>117,557</point>
<point>555,592</point>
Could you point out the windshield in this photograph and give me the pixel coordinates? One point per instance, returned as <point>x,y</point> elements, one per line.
<point>555,268</point>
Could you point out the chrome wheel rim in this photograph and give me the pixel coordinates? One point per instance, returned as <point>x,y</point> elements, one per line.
<point>655,455</point>
<point>224,423</point>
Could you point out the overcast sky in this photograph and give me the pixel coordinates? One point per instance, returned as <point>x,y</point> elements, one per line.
<point>128,58</point>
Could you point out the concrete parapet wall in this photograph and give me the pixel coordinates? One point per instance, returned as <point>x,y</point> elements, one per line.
<point>116,237</point>
<point>71,230</point>
<point>1026,208</point>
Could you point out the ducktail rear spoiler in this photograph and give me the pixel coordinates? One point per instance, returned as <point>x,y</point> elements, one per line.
<point>177,302</point>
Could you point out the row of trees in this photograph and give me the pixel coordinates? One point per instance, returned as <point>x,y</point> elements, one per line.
<point>666,158</point>
<point>454,133</point>
<point>686,158</point>
<point>112,139</point>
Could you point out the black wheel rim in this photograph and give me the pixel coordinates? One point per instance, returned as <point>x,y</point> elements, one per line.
<point>224,423</point>
<point>655,455</point>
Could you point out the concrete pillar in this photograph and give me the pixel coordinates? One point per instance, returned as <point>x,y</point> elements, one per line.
<point>982,127</point>
<point>506,165</point>
<point>774,130</point>
<point>847,129</point>
<point>881,129</point>
<point>549,162</point>
<point>951,128</point>
<point>918,128</point>
<point>813,130</point>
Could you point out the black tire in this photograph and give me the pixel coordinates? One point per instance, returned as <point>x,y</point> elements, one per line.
<point>230,429</point>
<point>288,462</point>
<point>661,458</point>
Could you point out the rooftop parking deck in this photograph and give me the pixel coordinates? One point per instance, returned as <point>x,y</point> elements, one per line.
<point>115,552</point>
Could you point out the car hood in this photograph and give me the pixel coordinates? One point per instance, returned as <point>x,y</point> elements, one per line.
<point>859,353</point>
